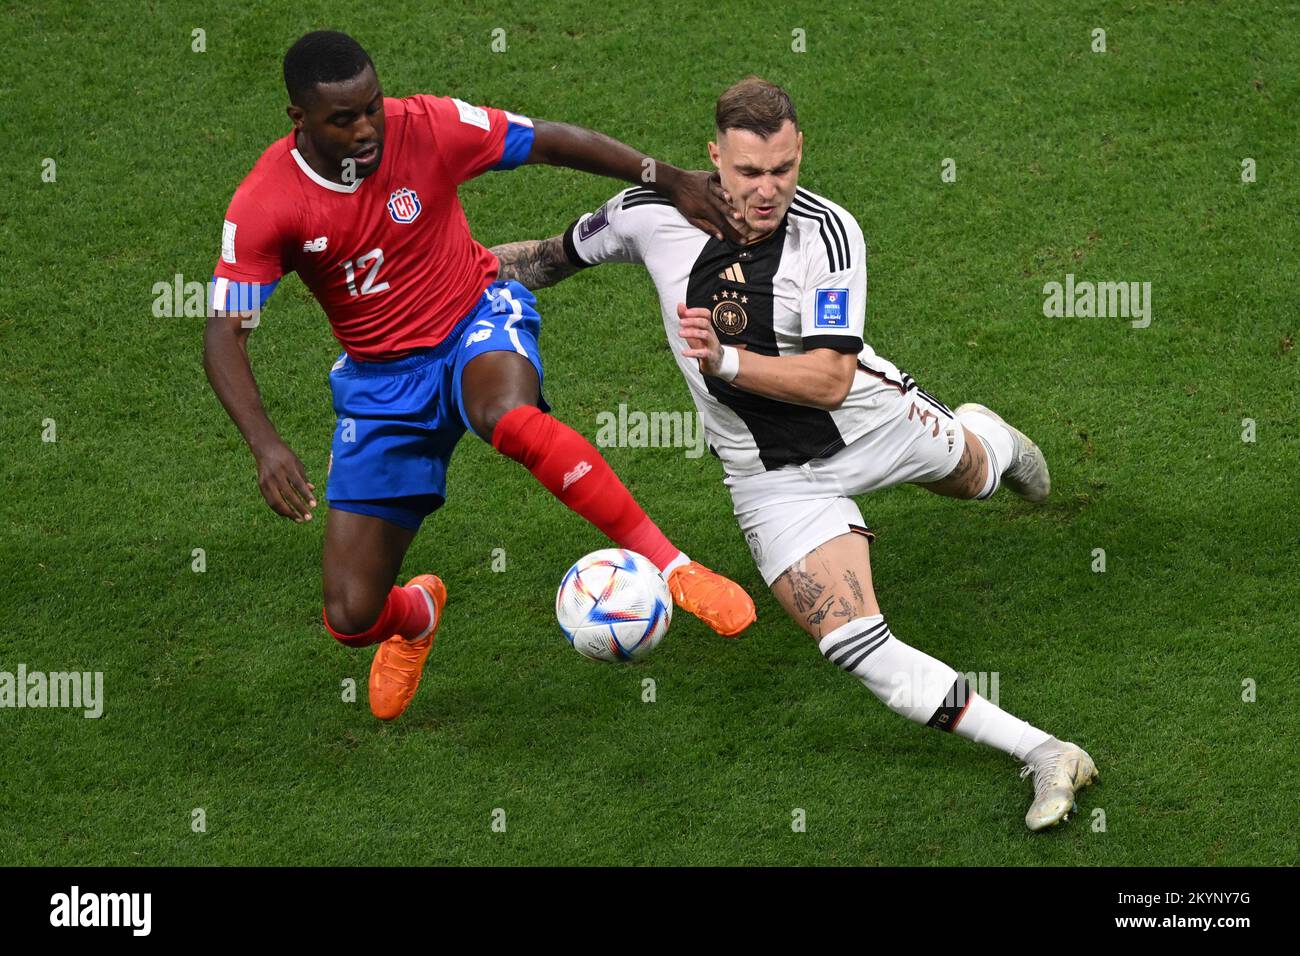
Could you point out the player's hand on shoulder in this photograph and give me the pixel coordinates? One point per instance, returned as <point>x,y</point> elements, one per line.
<point>695,326</point>
<point>699,196</point>
<point>284,484</point>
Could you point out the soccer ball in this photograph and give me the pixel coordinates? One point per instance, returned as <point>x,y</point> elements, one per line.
<point>613,605</point>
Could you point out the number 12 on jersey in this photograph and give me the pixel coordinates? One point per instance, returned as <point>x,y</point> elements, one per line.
<point>375,258</point>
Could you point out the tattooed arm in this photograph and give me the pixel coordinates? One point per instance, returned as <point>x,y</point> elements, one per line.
<point>536,263</point>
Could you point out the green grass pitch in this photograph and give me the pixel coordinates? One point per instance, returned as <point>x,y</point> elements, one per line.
<point>224,693</point>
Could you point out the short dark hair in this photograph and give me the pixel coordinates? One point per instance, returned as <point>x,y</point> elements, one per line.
<point>755,105</point>
<point>324,56</point>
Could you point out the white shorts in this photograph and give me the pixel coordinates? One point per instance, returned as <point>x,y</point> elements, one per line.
<point>787,513</point>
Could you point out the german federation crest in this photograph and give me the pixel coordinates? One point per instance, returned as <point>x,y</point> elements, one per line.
<point>404,205</point>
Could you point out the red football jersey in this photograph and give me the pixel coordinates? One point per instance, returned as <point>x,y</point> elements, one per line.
<point>389,257</point>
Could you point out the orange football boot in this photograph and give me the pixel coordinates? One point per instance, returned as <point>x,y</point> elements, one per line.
<point>398,663</point>
<point>719,602</point>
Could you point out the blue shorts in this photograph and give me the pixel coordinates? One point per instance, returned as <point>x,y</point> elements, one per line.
<point>398,421</point>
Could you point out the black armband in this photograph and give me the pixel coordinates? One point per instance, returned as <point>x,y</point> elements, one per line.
<point>571,250</point>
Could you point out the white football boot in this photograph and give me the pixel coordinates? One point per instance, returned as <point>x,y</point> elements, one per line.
<point>1060,771</point>
<point>1027,475</point>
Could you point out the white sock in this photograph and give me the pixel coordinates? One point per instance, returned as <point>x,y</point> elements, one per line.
<point>923,689</point>
<point>986,723</point>
<point>674,564</point>
<point>998,443</point>
<point>910,682</point>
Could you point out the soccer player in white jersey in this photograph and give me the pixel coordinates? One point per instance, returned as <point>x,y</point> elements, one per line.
<point>804,414</point>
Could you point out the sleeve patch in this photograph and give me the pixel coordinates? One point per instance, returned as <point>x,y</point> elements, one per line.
<point>227,242</point>
<point>593,223</point>
<point>832,309</point>
<point>473,115</point>
<point>517,119</point>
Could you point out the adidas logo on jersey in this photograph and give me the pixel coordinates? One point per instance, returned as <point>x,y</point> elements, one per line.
<point>316,245</point>
<point>732,273</point>
<point>579,471</point>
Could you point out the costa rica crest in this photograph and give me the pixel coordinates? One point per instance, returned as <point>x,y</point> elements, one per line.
<point>404,205</point>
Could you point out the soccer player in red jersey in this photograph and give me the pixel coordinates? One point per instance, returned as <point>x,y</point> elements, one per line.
<point>360,200</point>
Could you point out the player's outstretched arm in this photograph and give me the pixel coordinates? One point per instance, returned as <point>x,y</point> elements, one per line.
<point>696,194</point>
<point>821,378</point>
<point>535,263</point>
<point>280,475</point>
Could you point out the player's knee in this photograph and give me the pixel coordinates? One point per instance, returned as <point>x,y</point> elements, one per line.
<point>494,384</point>
<point>349,615</point>
<point>485,415</point>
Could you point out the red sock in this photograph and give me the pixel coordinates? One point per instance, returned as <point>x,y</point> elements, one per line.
<point>405,613</point>
<point>572,470</point>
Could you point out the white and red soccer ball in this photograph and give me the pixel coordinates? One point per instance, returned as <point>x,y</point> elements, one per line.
<point>613,605</point>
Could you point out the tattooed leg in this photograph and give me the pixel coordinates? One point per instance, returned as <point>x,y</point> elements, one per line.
<point>970,476</point>
<point>837,577</point>
<point>829,586</point>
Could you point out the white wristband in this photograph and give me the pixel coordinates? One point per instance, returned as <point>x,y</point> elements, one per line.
<point>729,368</point>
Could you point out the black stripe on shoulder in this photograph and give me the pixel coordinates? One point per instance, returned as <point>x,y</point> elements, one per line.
<point>638,192</point>
<point>837,223</point>
<point>651,200</point>
<point>831,257</point>
<point>831,224</point>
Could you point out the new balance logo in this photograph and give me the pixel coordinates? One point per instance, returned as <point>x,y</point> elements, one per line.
<point>732,273</point>
<point>579,470</point>
<point>316,245</point>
